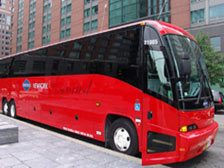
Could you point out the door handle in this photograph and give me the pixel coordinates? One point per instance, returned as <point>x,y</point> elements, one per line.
<point>149,115</point>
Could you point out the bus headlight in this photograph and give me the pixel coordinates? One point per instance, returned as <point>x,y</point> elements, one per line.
<point>183,129</point>
<point>187,128</point>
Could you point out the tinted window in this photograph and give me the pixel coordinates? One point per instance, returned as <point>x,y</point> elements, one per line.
<point>114,54</point>
<point>4,67</point>
<point>19,66</point>
<point>38,67</point>
<point>37,63</point>
<point>117,55</point>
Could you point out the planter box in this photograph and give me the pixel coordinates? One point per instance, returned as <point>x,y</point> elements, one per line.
<point>8,133</point>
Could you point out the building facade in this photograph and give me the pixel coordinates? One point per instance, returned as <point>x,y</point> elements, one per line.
<point>174,11</point>
<point>6,7</point>
<point>207,16</point>
<point>42,22</point>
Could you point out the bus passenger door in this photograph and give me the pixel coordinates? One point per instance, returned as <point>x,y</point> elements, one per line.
<point>160,118</point>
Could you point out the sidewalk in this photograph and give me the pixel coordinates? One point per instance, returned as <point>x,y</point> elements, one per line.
<point>40,148</point>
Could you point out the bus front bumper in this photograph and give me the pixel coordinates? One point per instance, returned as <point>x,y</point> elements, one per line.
<point>188,145</point>
<point>194,143</point>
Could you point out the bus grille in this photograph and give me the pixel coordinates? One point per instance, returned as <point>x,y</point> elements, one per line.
<point>160,143</point>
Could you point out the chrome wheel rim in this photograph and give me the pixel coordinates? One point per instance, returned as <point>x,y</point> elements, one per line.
<point>12,110</point>
<point>122,139</point>
<point>5,108</point>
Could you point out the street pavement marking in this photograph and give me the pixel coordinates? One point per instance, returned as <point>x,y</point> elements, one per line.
<point>92,146</point>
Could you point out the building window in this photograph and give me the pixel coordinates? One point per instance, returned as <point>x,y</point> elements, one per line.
<point>87,13</point>
<point>46,25</point>
<point>198,16</point>
<point>86,1</point>
<point>216,12</point>
<point>216,43</point>
<point>20,25</point>
<point>66,8</point>
<point>86,27</point>
<point>94,24</point>
<point>68,20</point>
<point>159,10</point>
<point>95,10</point>
<point>90,16</point>
<point>31,44</point>
<point>195,1</point>
<point>31,31</point>
<point>5,29</point>
<point>3,4</point>
<point>126,11</point>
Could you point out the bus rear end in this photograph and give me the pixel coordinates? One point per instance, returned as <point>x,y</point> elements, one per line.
<point>178,111</point>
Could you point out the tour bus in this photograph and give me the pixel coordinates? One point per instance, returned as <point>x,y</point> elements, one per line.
<point>140,88</point>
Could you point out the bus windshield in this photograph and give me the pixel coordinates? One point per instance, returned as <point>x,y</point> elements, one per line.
<point>191,84</point>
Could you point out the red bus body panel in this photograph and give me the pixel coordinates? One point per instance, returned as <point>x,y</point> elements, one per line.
<point>71,95</point>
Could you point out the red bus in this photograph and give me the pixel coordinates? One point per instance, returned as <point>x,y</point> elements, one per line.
<point>141,87</point>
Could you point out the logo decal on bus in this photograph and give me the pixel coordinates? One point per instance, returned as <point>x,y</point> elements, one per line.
<point>205,103</point>
<point>137,107</point>
<point>26,85</point>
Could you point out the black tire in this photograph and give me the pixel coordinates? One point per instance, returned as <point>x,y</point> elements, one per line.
<point>4,110</point>
<point>12,109</point>
<point>127,127</point>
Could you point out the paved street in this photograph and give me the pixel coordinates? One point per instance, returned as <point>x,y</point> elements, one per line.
<point>39,147</point>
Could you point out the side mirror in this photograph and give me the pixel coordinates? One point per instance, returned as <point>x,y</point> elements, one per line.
<point>185,65</point>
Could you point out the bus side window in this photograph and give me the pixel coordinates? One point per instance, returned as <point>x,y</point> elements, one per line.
<point>19,66</point>
<point>38,67</point>
<point>5,67</point>
<point>68,67</point>
<point>52,65</point>
<point>55,67</point>
<point>124,51</point>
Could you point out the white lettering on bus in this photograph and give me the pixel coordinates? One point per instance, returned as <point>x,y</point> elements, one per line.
<point>151,42</point>
<point>78,132</point>
<point>40,85</point>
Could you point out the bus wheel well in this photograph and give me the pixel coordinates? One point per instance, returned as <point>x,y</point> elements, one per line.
<point>11,100</point>
<point>3,99</point>
<point>109,120</point>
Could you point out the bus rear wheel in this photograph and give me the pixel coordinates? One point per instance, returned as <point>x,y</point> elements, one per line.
<point>12,109</point>
<point>123,137</point>
<point>5,107</point>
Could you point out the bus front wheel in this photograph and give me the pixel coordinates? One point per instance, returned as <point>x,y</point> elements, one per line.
<point>12,109</point>
<point>123,137</point>
<point>5,107</point>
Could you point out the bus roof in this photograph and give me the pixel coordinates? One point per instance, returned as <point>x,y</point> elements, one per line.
<point>163,28</point>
